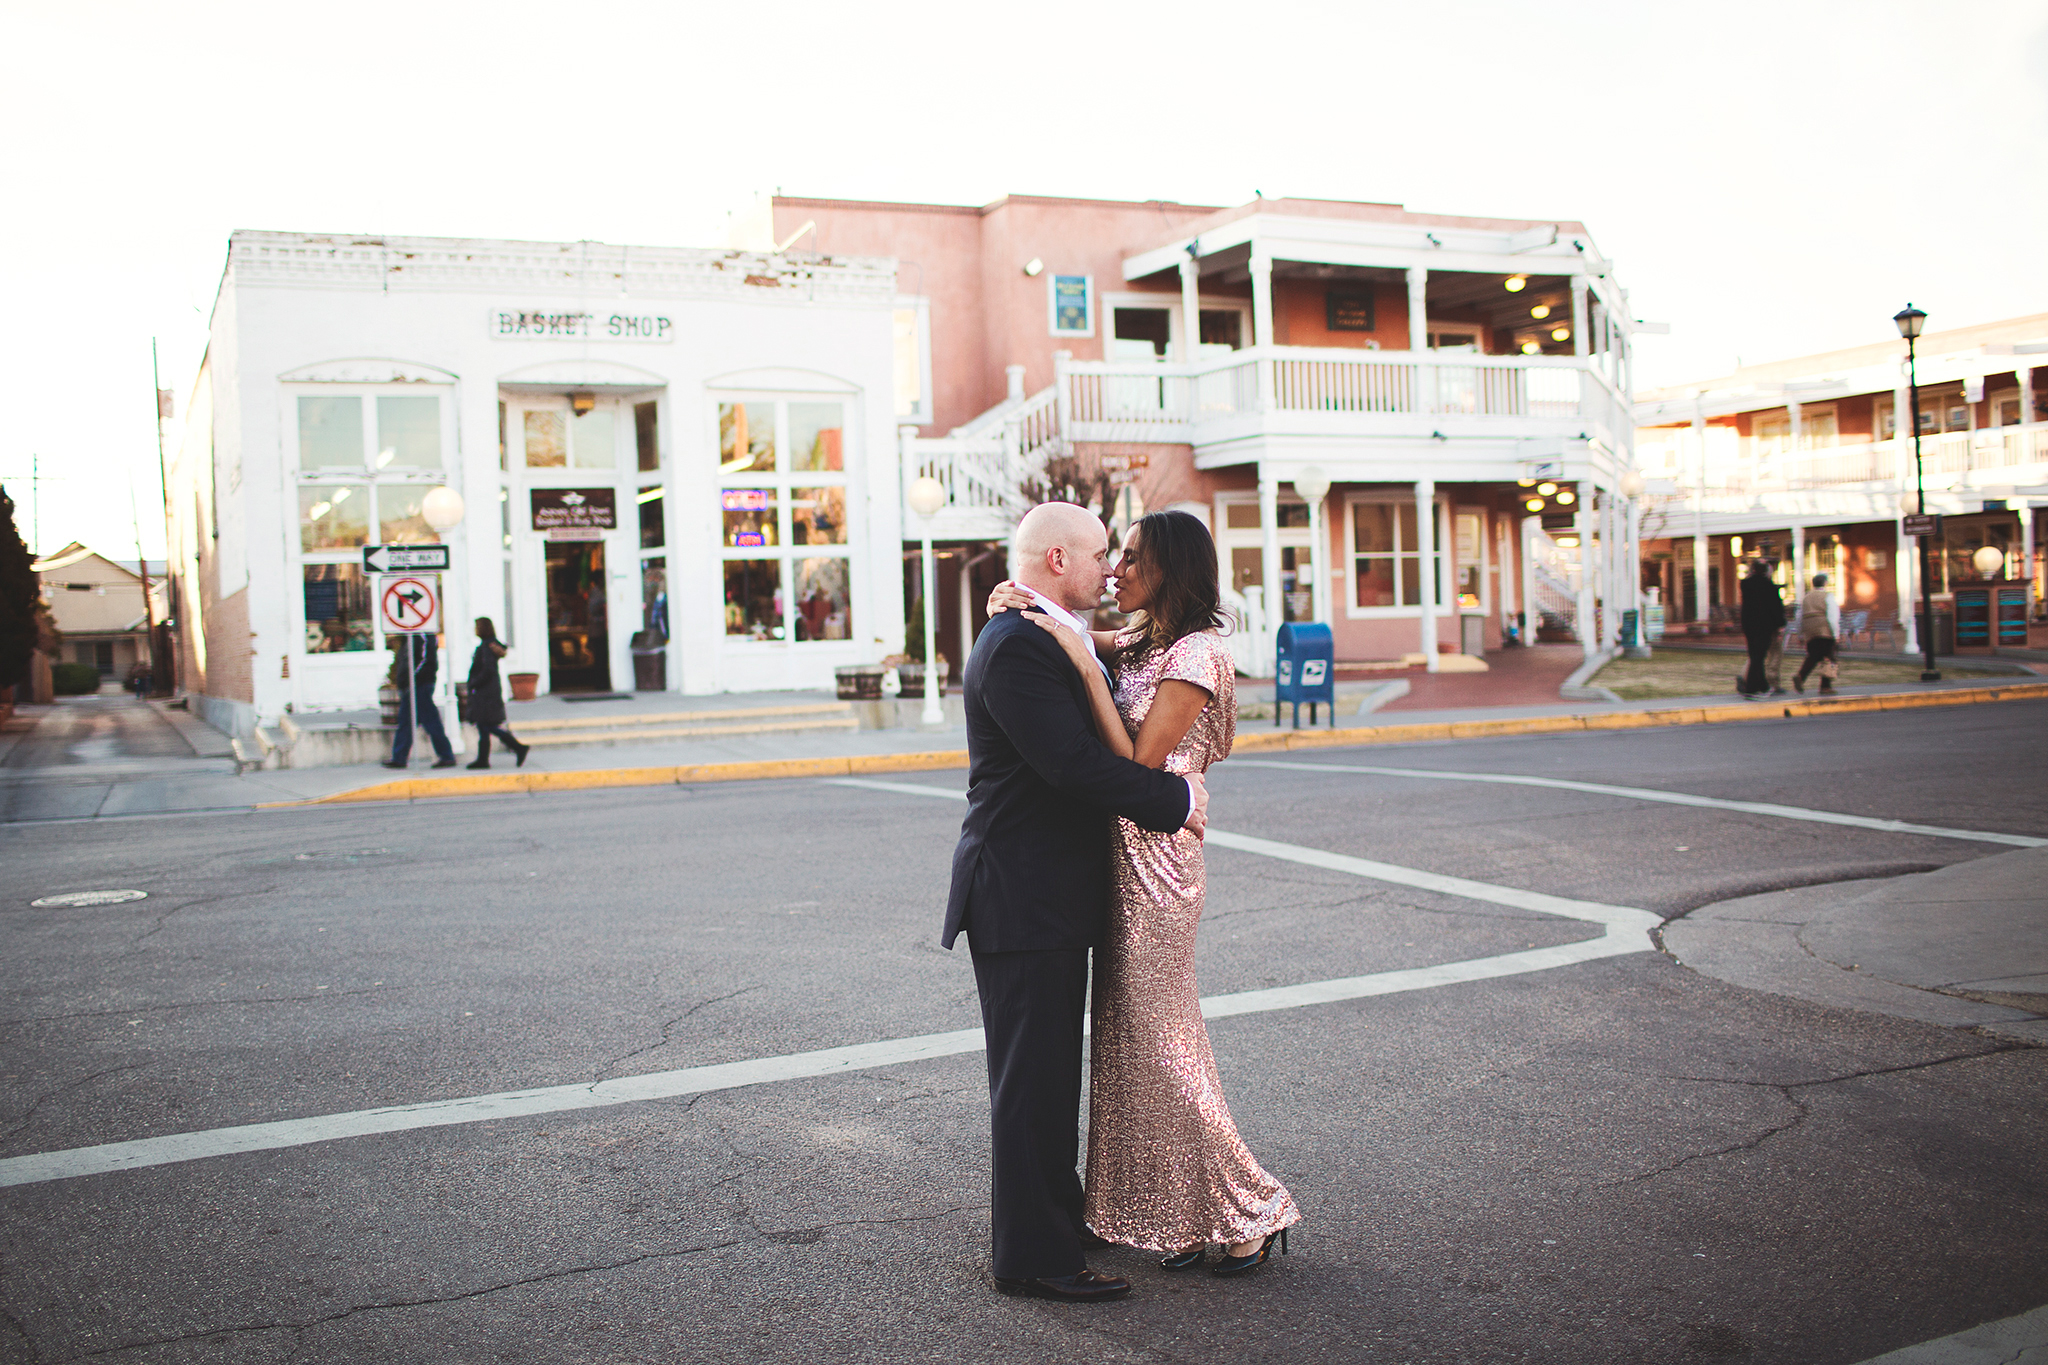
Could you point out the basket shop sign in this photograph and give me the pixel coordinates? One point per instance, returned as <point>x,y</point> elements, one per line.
<point>581,324</point>
<point>575,513</point>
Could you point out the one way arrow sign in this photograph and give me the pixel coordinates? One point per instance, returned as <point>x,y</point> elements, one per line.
<point>387,558</point>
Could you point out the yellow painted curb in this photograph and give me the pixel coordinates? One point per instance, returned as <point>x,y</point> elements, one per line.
<point>1256,741</point>
<point>424,788</point>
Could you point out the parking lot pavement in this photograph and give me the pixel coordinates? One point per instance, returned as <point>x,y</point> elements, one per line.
<point>1614,1159</point>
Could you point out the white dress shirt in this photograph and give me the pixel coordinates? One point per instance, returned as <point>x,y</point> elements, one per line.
<point>1064,618</point>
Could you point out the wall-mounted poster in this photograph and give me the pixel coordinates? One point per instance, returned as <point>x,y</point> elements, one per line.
<point>1073,305</point>
<point>1348,310</point>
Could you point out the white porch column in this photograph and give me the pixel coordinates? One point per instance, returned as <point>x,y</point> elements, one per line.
<point>2027,550</point>
<point>1418,343</point>
<point>1589,621</point>
<point>1532,619</point>
<point>2025,374</point>
<point>1190,309</point>
<point>1262,324</point>
<point>1425,563</point>
<point>1905,567</point>
<point>1579,315</point>
<point>1797,578</point>
<point>1272,601</point>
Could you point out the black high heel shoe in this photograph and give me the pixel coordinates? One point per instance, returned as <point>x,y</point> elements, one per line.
<point>1186,1260</point>
<point>1238,1265</point>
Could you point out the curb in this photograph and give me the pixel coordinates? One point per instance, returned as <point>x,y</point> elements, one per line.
<point>1631,720</point>
<point>428,788</point>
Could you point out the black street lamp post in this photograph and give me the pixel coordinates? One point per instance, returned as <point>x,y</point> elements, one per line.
<point>1910,322</point>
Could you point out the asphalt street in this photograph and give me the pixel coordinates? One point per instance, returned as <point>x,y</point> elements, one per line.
<point>1614,1160</point>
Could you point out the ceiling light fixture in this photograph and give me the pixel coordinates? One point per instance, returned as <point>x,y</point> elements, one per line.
<point>1541,310</point>
<point>1546,488</point>
<point>1534,504</point>
<point>1517,283</point>
<point>1565,497</point>
<point>1560,334</point>
<point>1531,347</point>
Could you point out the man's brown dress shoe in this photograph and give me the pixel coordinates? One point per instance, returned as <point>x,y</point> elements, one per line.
<point>1087,1287</point>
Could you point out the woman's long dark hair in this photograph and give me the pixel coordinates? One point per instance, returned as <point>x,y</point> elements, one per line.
<point>1179,559</point>
<point>485,631</point>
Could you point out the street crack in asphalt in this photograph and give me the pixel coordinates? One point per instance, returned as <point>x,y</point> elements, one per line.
<point>300,1328</point>
<point>28,1117</point>
<point>1802,1111</point>
<point>604,1072</point>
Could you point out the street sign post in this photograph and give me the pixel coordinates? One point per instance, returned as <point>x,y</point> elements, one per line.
<point>409,603</point>
<point>1922,524</point>
<point>396,558</point>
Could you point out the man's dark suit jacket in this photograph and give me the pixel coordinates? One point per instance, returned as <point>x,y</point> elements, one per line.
<point>1032,868</point>
<point>1763,609</point>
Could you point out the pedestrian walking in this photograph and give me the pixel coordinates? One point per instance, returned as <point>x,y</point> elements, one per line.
<point>487,699</point>
<point>1763,616</point>
<point>414,671</point>
<point>1820,621</point>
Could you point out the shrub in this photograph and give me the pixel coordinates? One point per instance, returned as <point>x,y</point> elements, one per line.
<point>74,680</point>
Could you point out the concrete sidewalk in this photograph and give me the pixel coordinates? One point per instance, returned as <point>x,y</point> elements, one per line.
<point>122,786</point>
<point>1963,947</point>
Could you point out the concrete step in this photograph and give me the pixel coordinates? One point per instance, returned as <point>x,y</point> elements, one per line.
<point>648,727</point>
<point>639,722</point>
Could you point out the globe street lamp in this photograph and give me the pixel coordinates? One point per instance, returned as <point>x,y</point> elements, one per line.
<point>1910,321</point>
<point>926,496</point>
<point>1312,484</point>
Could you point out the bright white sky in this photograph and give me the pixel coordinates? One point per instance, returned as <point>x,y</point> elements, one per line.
<point>1772,178</point>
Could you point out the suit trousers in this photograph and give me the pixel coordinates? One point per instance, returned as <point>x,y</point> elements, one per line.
<point>1032,1007</point>
<point>1755,681</point>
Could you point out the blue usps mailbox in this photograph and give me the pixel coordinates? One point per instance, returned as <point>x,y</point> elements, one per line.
<point>1306,670</point>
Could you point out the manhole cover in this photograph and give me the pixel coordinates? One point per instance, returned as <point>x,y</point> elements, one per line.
<point>322,855</point>
<point>77,898</point>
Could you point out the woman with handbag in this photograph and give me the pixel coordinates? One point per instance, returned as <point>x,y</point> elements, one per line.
<point>1819,619</point>
<point>487,699</point>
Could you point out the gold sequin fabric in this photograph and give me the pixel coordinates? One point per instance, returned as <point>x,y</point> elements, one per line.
<point>1166,1167</point>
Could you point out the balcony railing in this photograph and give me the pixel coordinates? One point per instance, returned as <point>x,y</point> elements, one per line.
<point>1169,402</point>
<point>1946,458</point>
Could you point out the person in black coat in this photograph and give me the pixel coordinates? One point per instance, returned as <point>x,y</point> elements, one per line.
<point>1763,616</point>
<point>487,699</point>
<point>1031,890</point>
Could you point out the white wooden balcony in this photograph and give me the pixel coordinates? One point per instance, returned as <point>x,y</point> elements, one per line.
<point>1283,391</point>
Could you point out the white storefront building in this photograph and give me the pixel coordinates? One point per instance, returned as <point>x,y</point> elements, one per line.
<point>679,466</point>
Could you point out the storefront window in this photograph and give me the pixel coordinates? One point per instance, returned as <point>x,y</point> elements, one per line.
<point>398,516</point>
<point>592,439</point>
<point>1386,566</point>
<point>746,437</point>
<point>824,600</point>
<point>785,463</point>
<point>337,609</point>
<point>333,516</point>
<point>753,598</point>
<point>815,436</point>
<point>331,433</point>
<point>547,439</point>
<point>653,524</point>
<point>817,516</point>
<point>749,516</point>
<point>408,433</point>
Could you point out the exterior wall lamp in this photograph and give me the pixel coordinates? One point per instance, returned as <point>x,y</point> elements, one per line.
<point>582,403</point>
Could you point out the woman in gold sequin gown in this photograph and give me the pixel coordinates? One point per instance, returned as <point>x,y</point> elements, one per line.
<point>1167,1170</point>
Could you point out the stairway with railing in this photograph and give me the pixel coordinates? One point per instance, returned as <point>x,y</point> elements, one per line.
<point>1554,575</point>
